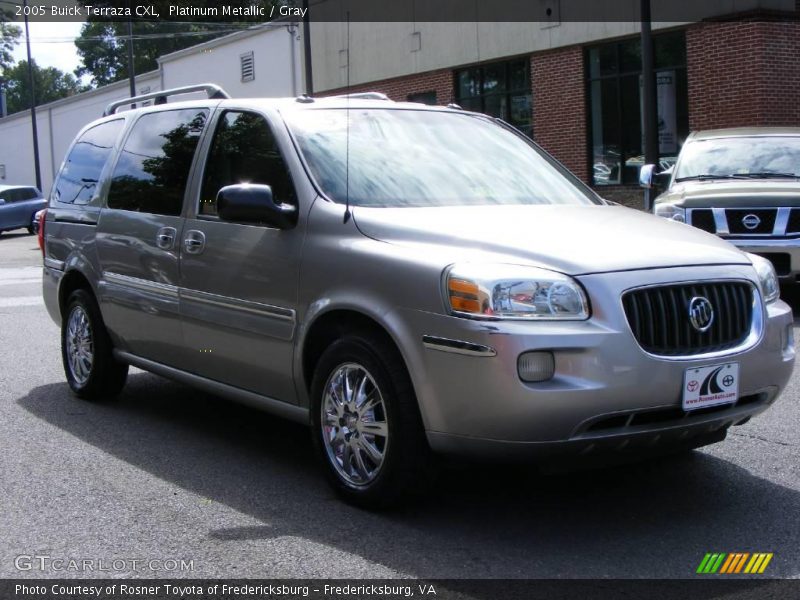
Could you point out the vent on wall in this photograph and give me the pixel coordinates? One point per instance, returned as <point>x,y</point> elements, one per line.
<point>248,66</point>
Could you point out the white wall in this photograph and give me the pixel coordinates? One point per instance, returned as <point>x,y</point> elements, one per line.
<point>57,122</point>
<point>277,60</point>
<point>278,72</point>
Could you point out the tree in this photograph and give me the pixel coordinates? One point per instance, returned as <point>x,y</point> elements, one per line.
<point>9,37</point>
<point>51,84</point>
<point>102,45</point>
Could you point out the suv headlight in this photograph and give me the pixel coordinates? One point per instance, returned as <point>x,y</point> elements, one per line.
<point>670,211</point>
<point>499,291</point>
<point>767,277</point>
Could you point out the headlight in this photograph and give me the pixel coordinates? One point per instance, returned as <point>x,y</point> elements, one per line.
<point>670,211</point>
<point>766,277</point>
<point>498,291</point>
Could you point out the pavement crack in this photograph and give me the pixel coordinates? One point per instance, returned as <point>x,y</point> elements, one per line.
<point>763,439</point>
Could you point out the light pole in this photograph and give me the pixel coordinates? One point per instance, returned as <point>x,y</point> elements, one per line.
<point>131,71</point>
<point>649,101</point>
<point>33,101</point>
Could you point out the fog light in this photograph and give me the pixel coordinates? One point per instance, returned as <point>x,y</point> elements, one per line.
<point>536,366</point>
<point>789,344</point>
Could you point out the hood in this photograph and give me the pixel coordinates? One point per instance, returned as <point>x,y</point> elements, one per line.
<point>571,239</point>
<point>745,193</point>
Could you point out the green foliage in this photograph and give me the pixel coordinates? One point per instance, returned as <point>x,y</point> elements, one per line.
<point>51,84</point>
<point>9,37</point>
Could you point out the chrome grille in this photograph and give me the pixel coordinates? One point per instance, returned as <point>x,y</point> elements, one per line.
<point>659,317</point>
<point>761,220</point>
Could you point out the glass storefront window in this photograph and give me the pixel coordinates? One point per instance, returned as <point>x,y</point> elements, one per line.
<point>499,89</point>
<point>615,106</point>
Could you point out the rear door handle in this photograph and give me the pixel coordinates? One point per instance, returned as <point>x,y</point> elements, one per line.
<point>194,242</point>
<point>165,237</point>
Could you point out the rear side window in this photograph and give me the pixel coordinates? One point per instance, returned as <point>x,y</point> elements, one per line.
<point>78,180</point>
<point>153,167</point>
<point>244,151</point>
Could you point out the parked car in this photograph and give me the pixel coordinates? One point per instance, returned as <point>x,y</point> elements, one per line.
<point>18,205</point>
<point>744,186</point>
<point>404,280</point>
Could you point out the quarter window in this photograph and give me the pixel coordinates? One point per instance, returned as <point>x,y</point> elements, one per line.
<point>77,183</point>
<point>244,151</point>
<point>153,167</point>
<point>500,89</point>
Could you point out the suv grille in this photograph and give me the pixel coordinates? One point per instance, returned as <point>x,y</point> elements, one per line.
<point>659,317</point>
<point>703,218</point>
<point>765,219</point>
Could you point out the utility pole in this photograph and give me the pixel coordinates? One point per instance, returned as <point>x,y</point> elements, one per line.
<point>131,71</point>
<point>307,49</point>
<point>649,100</point>
<point>33,101</point>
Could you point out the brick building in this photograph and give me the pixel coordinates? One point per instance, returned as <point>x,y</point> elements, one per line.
<point>577,91</point>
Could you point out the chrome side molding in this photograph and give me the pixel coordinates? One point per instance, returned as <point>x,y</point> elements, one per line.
<point>457,346</point>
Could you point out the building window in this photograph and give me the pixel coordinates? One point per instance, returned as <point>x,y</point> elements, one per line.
<point>615,106</point>
<point>247,64</point>
<point>423,98</point>
<point>499,89</point>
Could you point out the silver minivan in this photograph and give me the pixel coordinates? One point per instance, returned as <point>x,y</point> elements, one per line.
<point>404,279</point>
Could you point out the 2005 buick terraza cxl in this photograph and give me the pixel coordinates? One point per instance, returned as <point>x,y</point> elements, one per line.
<point>403,278</point>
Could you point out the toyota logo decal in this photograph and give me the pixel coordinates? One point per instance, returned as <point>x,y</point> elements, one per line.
<point>751,221</point>
<point>701,313</point>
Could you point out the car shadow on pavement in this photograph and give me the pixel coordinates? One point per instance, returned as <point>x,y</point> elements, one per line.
<point>654,519</point>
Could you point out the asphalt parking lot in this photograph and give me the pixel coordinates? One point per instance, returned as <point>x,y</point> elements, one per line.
<point>168,473</point>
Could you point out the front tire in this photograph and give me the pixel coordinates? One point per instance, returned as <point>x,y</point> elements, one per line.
<point>366,424</point>
<point>86,351</point>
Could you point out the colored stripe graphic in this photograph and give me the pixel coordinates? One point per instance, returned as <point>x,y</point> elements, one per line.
<point>728,564</point>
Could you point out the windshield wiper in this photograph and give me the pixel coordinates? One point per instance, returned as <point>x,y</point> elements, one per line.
<point>759,175</point>
<point>767,175</point>
<point>705,176</point>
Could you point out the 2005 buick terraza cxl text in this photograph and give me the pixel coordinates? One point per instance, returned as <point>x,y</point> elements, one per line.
<point>404,279</point>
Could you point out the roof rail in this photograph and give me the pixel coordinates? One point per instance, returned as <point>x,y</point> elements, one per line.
<point>364,96</point>
<point>214,92</point>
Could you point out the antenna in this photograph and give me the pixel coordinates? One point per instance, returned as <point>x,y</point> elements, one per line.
<point>347,142</point>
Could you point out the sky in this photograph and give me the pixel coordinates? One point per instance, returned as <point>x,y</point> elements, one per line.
<point>52,45</point>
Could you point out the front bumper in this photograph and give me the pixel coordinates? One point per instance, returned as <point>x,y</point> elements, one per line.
<point>606,392</point>
<point>770,247</point>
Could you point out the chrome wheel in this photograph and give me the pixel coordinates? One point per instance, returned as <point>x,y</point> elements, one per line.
<point>80,349</point>
<point>354,426</point>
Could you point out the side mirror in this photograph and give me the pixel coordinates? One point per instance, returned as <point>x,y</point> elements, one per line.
<point>253,203</point>
<point>2,201</point>
<point>646,174</point>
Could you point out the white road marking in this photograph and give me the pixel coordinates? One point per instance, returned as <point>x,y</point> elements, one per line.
<point>21,301</point>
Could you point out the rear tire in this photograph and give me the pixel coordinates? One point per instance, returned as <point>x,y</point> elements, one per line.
<point>86,351</point>
<point>366,425</point>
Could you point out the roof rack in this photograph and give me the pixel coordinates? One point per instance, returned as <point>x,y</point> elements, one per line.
<point>213,91</point>
<point>364,96</point>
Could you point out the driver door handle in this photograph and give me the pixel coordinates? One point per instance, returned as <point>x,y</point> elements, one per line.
<point>194,242</point>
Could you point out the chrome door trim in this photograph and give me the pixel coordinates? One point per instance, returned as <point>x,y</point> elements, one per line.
<point>142,285</point>
<point>248,306</point>
<point>270,405</point>
<point>457,346</point>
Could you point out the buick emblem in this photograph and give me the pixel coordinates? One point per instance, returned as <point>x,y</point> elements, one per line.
<point>701,313</point>
<point>751,221</point>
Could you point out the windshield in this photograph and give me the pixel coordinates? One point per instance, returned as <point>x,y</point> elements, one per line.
<point>740,157</point>
<point>426,158</point>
